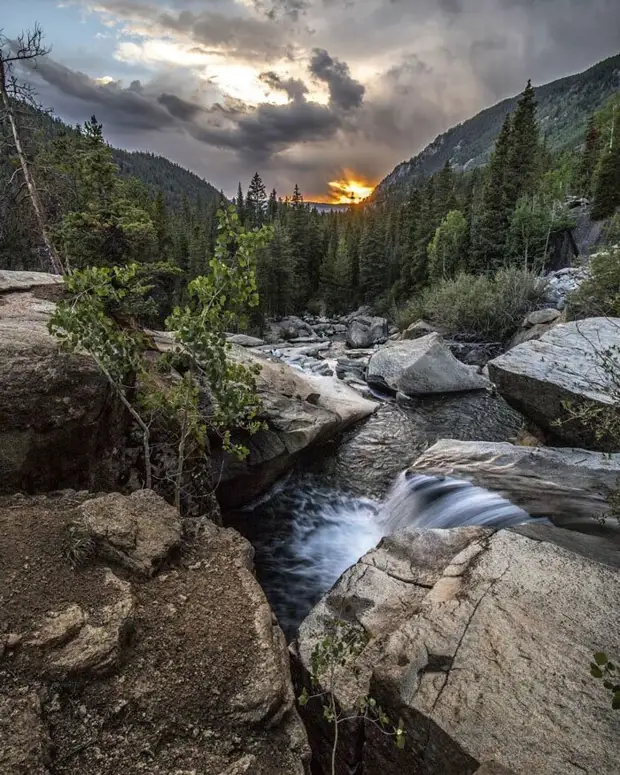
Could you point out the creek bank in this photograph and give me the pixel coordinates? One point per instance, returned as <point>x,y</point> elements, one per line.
<point>571,365</point>
<point>93,679</point>
<point>463,631</point>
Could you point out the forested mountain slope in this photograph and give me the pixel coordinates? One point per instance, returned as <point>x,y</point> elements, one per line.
<point>160,174</point>
<point>563,110</point>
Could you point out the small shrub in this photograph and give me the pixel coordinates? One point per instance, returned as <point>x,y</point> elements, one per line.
<point>599,295</point>
<point>489,307</point>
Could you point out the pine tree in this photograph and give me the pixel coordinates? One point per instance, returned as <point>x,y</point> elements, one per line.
<point>588,158</point>
<point>607,184</point>
<point>161,225</point>
<point>240,205</point>
<point>272,206</point>
<point>373,280</point>
<point>489,242</point>
<point>445,198</point>
<point>256,202</point>
<point>523,162</point>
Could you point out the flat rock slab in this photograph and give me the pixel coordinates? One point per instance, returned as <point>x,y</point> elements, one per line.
<point>422,366</point>
<point>25,281</point>
<point>487,662</point>
<point>565,366</point>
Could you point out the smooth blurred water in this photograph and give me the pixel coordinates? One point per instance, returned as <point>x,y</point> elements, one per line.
<point>305,535</point>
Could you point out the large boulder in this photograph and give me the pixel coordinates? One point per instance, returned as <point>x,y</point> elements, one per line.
<point>103,653</point>
<point>573,488</point>
<point>365,331</point>
<point>60,425</point>
<point>288,328</point>
<point>573,364</point>
<point>421,367</point>
<point>537,324</point>
<point>300,410</point>
<point>418,329</point>
<point>481,644</point>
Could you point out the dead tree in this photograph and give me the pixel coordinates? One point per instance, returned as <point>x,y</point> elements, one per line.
<point>27,47</point>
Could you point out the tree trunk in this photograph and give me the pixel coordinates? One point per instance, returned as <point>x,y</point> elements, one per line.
<point>52,255</point>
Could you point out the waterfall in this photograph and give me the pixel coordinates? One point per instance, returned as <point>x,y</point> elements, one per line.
<point>306,535</point>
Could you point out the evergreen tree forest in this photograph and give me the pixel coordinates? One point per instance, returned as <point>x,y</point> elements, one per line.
<point>383,253</point>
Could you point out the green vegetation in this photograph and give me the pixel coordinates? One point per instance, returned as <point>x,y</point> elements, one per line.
<point>341,645</point>
<point>564,109</point>
<point>599,295</point>
<point>606,671</point>
<point>486,306</point>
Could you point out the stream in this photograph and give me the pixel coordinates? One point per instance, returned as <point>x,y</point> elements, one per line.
<point>306,534</point>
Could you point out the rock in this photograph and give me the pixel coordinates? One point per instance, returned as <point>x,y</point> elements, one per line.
<point>565,366</point>
<point>97,648</point>
<point>572,487</point>
<point>11,282</point>
<point>194,651</point>
<point>365,331</point>
<point>563,282</point>
<point>493,768</point>
<point>243,340</point>
<point>475,353</point>
<point>59,628</point>
<point>418,329</point>
<point>137,532</point>
<point>247,765</point>
<point>25,748</point>
<point>540,317</point>
<point>529,335</point>
<point>355,367</point>
<point>59,424</point>
<point>300,410</point>
<point>288,328</point>
<point>421,367</point>
<point>437,656</point>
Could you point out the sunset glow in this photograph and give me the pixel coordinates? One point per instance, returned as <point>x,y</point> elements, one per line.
<point>352,188</point>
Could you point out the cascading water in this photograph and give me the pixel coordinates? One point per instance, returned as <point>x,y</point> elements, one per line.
<point>306,536</point>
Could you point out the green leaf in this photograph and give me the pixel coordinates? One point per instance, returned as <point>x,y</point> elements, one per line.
<point>596,672</point>
<point>600,658</point>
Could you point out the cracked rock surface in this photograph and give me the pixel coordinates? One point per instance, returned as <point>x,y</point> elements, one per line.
<point>565,365</point>
<point>480,642</point>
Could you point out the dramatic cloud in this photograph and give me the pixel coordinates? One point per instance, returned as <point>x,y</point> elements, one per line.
<point>302,88</point>
<point>344,92</point>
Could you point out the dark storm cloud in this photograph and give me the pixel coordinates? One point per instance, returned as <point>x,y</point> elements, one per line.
<point>293,87</point>
<point>125,107</point>
<point>228,29</point>
<point>268,129</point>
<point>344,91</point>
<point>178,107</point>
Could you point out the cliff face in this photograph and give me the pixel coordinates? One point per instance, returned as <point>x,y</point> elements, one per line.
<point>59,423</point>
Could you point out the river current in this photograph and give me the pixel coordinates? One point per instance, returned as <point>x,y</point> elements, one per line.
<point>306,535</point>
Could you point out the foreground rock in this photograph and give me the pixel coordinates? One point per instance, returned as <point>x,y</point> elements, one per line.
<point>421,367</point>
<point>300,411</point>
<point>566,366</point>
<point>364,331</point>
<point>59,424</point>
<point>463,630</point>
<point>536,325</point>
<point>93,676</point>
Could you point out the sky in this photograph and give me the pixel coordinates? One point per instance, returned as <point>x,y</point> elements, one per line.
<point>299,90</point>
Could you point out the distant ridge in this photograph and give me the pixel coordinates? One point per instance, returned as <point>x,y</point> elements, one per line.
<point>563,110</point>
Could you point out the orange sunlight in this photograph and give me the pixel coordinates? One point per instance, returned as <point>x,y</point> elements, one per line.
<point>350,189</point>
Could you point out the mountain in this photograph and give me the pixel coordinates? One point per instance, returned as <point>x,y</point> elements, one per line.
<point>328,207</point>
<point>161,174</point>
<point>563,110</point>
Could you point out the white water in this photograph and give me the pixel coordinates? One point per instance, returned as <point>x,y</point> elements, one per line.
<point>306,536</point>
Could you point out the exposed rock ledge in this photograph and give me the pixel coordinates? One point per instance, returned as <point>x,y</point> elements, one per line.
<point>481,643</point>
<point>103,672</point>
